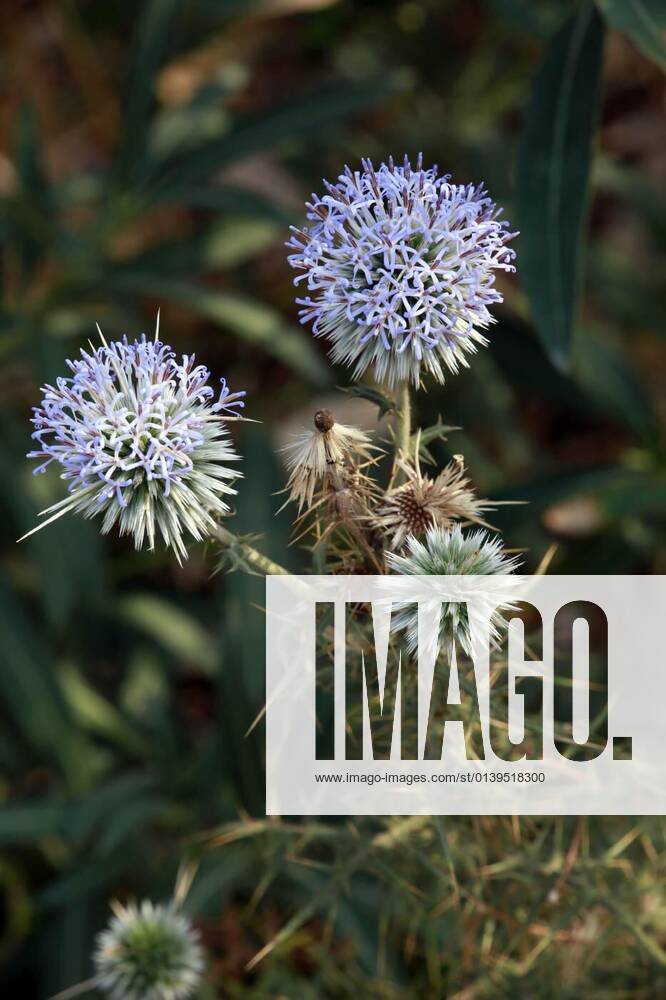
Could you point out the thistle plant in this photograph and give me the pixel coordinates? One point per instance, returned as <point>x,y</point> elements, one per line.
<point>400,264</point>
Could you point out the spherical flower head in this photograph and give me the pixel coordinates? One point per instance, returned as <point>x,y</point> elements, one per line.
<point>450,552</point>
<point>142,441</point>
<point>148,953</point>
<point>400,268</point>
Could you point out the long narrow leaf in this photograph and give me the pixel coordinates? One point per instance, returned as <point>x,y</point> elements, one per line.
<point>643,20</point>
<point>607,376</point>
<point>264,131</point>
<point>152,35</point>
<point>30,694</point>
<point>553,178</point>
<point>249,320</point>
<point>176,631</point>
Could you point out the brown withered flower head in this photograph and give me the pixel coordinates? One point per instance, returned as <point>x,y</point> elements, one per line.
<point>423,502</point>
<point>317,456</point>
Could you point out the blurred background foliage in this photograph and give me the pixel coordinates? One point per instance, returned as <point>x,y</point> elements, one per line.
<point>153,155</point>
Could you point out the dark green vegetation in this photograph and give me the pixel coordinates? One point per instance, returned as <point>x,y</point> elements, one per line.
<point>155,157</point>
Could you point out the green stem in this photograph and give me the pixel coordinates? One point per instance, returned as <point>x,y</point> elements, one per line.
<point>403,437</point>
<point>250,554</point>
<point>405,420</point>
<point>75,991</point>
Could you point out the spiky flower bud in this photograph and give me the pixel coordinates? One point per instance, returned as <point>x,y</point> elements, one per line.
<point>400,266</point>
<point>449,552</point>
<point>141,440</point>
<point>423,502</point>
<point>148,952</point>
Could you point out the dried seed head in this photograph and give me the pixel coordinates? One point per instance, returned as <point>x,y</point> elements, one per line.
<point>324,420</point>
<point>315,455</point>
<point>413,516</point>
<point>422,502</point>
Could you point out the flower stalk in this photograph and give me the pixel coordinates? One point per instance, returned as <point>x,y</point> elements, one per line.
<point>404,433</point>
<point>78,990</point>
<point>243,552</point>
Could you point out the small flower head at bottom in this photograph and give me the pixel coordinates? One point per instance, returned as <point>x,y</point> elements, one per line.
<point>449,552</point>
<point>148,952</point>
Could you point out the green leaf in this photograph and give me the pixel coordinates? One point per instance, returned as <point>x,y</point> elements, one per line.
<point>428,435</point>
<point>176,631</point>
<point>236,200</point>
<point>176,130</point>
<point>554,166</point>
<point>94,713</point>
<point>525,16</point>
<point>264,131</point>
<point>251,321</point>
<point>436,432</point>
<point>643,20</point>
<point>26,219</point>
<point>30,694</point>
<point>619,492</point>
<point>126,823</point>
<point>93,812</point>
<point>148,50</point>
<point>67,555</point>
<point>86,879</point>
<point>23,824</point>
<point>64,950</point>
<point>257,501</point>
<point>383,403</point>
<point>224,245</point>
<point>603,372</point>
<point>636,494</point>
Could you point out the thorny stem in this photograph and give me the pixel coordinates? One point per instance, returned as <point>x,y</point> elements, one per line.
<point>256,559</point>
<point>350,511</point>
<point>76,991</point>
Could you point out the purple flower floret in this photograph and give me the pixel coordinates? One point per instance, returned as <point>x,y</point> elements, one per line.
<point>399,264</point>
<point>142,441</point>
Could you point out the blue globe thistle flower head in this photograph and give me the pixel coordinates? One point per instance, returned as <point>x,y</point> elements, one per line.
<point>400,265</point>
<point>148,952</point>
<point>142,442</point>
